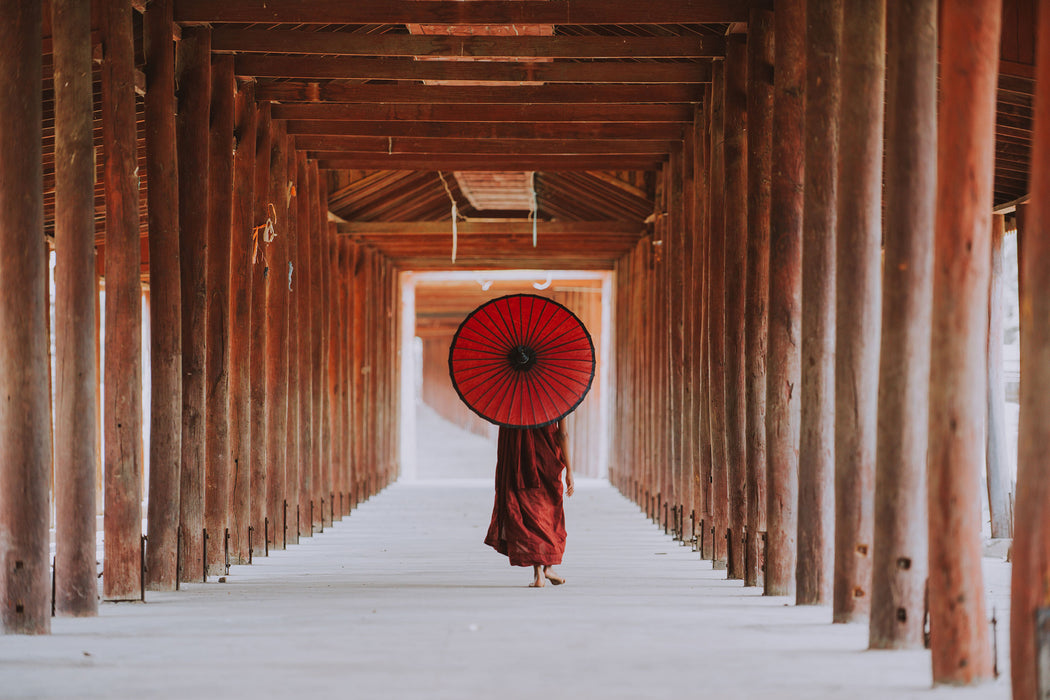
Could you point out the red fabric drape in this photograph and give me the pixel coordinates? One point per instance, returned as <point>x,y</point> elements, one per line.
<point>528,521</point>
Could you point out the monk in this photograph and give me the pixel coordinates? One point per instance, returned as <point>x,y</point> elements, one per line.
<point>528,522</point>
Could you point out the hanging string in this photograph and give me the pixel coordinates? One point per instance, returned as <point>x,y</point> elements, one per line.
<point>267,230</point>
<point>455,215</point>
<point>533,205</point>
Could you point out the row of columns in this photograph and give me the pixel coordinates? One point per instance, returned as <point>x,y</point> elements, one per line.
<point>274,402</point>
<point>824,386</point>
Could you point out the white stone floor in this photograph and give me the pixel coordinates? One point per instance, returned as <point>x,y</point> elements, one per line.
<point>403,600</point>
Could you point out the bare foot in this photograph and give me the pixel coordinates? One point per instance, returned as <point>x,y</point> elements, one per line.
<point>552,576</point>
<point>537,581</point>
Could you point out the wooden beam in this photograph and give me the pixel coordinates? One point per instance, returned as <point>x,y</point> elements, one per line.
<point>486,130</point>
<point>444,46</point>
<point>355,68</point>
<point>25,442</point>
<point>567,12</point>
<point>123,351</point>
<point>257,342</point>
<point>309,91</point>
<point>367,111</point>
<point>484,163</point>
<point>343,147</point>
<point>600,229</point>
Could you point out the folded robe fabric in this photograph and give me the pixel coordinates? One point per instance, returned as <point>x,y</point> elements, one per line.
<point>528,521</point>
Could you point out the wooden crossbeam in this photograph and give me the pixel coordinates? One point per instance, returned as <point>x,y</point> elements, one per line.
<point>356,68</point>
<point>364,111</point>
<point>349,44</point>
<point>488,163</point>
<point>566,12</point>
<point>603,229</point>
<point>488,130</point>
<point>309,91</point>
<point>346,147</point>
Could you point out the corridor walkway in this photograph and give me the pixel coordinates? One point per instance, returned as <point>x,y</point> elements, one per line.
<point>402,600</point>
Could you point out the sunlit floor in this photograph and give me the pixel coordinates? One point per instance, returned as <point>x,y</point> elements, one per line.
<point>403,600</point>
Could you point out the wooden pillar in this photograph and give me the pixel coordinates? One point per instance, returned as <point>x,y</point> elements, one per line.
<point>899,546</point>
<point>260,518</point>
<point>336,366</point>
<point>194,86</point>
<point>958,363</point>
<point>165,306</point>
<point>217,358</point>
<point>243,217</point>
<point>303,290</point>
<point>716,327</point>
<point>858,299</point>
<point>816,459</point>
<point>357,381</point>
<point>25,447</point>
<point>759,168</point>
<point>689,312</point>
<point>277,347</point>
<point>785,291</point>
<point>735,278</point>
<point>297,446</point>
<point>123,360</point>
<point>325,294</point>
<point>997,460</point>
<point>314,287</point>
<point>701,352</point>
<point>1031,547</point>
<point>76,587</point>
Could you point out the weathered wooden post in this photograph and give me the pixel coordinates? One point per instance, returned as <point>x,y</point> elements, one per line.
<point>123,360</point>
<point>243,217</point>
<point>1031,551</point>
<point>257,343</point>
<point>958,361</point>
<point>816,458</point>
<point>759,165</point>
<point>277,344</point>
<point>997,460</point>
<point>303,286</point>
<point>191,123</point>
<point>321,300</point>
<point>76,444</point>
<point>297,493</point>
<point>783,397</point>
<point>217,354</point>
<point>899,557</point>
<point>858,299</point>
<point>25,446</point>
<point>735,277</point>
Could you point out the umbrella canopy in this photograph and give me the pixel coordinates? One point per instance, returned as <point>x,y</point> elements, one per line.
<point>522,361</point>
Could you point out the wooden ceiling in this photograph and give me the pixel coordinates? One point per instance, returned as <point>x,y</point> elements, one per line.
<point>593,109</point>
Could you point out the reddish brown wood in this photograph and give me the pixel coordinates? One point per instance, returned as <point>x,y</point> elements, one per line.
<point>194,91</point>
<point>652,131</point>
<point>785,287</point>
<point>366,111</point>
<point>259,397</point>
<point>484,163</point>
<point>958,369</point>
<point>351,147</point>
<point>858,262</point>
<point>899,555</point>
<point>336,357</point>
<point>296,443</point>
<point>816,462</point>
<point>315,337</point>
<point>997,460</point>
<point>716,325</point>
<point>357,379</point>
<point>303,286</point>
<point>76,586</point>
<point>25,448</point>
<point>309,91</point>
<point>243,218</point>
<point>165,300</point>
<point>277,397</point>
<point>123,358</point>
<point>759,159</point>
<point>323,299</point>
<point>1031,546</point>
<point>676,331</point>
<point>735,278</point>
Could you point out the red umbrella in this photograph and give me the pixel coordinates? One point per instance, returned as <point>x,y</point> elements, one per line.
<point>522,361</point>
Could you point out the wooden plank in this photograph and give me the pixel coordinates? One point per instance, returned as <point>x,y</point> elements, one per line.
<point>568,12</point>
<point>484,163</point>
<point>165,301</point>
<point>345,147</point>
<point>307,91</point>
<point>477,46</point>
<point>959,635</point>
<point>498,227</point>
<point>486,130</point>
<point>899,547</point>
<point>783,402</point>
<point>25,447</point>
<point>123,352</point>
<point>357,68</point>
<point>369,111</point>
<point>858,265</point>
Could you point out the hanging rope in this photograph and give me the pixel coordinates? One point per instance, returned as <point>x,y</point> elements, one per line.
<point>455,215</point>
<point>267,230</point>
<point>534,206</point>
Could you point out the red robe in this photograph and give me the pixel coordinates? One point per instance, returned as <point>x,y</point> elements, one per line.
<point>528,522</point>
